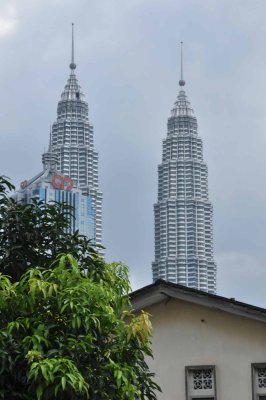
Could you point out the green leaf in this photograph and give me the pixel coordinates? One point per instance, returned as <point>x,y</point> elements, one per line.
<point>39,392</point>
<point>44,372</point>
<point>63,382</point>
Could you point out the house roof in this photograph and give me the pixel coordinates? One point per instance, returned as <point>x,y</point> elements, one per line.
<point>161,290</point>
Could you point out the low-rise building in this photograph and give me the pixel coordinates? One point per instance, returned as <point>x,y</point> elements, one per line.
<point>205,346</point>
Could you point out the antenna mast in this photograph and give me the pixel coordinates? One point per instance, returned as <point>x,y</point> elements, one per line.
<point>72,64</point>
<point>181,82</point>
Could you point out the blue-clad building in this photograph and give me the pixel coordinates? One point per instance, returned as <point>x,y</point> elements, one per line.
<point>49,186</point>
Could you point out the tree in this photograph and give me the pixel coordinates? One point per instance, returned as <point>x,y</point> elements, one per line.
<point>67,331</point>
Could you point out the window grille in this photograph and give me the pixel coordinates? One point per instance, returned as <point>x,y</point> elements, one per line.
<point>259,381</point>
<point>200,383</point>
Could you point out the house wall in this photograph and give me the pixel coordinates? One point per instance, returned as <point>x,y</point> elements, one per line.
<point>186,334</point>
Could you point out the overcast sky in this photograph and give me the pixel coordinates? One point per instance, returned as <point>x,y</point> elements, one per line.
<point>127,59</point>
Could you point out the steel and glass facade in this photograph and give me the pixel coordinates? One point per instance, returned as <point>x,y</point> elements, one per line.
<point>41,188</point>
<point>183,213</point>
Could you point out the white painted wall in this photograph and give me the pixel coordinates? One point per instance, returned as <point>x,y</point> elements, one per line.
<point>186,334</point>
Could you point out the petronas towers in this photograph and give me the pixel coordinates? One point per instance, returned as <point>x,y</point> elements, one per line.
<point>183,212</point>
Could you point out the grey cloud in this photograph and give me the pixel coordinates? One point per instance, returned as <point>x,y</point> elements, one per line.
<point>128,67</point>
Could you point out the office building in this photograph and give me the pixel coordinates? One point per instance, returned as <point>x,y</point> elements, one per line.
<point>50,187</point>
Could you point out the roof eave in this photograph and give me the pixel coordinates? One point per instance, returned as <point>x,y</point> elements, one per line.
<point>156,293</point>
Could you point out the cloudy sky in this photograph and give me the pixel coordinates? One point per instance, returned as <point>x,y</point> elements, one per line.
<point>128,66</point>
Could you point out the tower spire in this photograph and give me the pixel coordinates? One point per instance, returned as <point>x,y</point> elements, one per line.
<point>181,82</point>
<point>72,65</point>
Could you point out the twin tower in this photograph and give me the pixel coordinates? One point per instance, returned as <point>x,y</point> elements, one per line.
<point>183,213</point>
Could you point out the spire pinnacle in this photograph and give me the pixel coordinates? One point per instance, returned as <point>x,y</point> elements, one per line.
<point>181,82</point>
<point>72,65</point>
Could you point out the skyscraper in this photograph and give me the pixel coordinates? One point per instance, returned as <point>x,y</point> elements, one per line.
<point>48,186</point>
<point>71,142</point>
<point>70,166</point>
<point>183,212</point>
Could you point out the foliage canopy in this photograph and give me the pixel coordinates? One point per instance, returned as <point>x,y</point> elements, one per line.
<point>66,329</point>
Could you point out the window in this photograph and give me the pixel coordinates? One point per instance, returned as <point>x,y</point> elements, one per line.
<point>200,383</point>
<point>259,381</point>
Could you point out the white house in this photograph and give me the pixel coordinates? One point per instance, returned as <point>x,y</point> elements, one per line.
<point>205,346</point>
